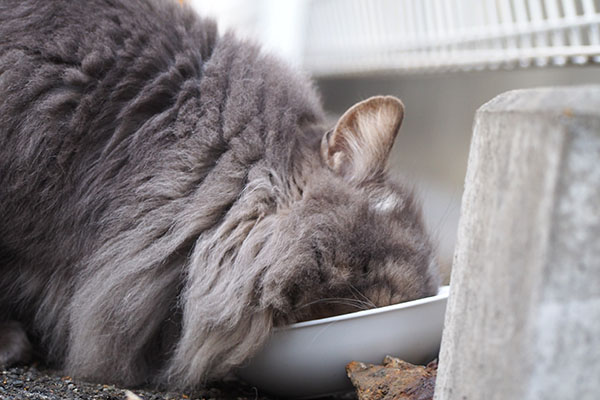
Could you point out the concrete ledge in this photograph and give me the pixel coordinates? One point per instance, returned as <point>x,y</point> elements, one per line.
<point>523,318</point>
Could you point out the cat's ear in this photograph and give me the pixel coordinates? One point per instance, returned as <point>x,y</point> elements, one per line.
<point>359,145</point>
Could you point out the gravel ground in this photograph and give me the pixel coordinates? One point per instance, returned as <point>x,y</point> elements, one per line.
<point>36,383</point>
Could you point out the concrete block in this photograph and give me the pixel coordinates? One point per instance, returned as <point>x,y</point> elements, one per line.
<point>523,317</point>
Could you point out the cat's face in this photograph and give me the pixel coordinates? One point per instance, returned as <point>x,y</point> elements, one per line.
<point>360,234</point>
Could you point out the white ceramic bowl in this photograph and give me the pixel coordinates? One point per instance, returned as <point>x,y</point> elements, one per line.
<point>308,359</point>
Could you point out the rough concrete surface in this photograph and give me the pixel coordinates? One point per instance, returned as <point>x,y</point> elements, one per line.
<point>395,379</point>
<point>523,317</point>
<point>40,384</point>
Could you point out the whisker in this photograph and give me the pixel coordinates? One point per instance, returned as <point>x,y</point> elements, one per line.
<point>367,300</point>
<point>362,305</point>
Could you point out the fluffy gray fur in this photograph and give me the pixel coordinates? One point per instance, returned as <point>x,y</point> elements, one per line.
<point>164,202</point>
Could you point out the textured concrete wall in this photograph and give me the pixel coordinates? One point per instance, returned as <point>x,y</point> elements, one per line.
<point>523,318</point>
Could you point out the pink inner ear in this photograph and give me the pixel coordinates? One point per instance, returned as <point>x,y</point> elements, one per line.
<point>360,143</point>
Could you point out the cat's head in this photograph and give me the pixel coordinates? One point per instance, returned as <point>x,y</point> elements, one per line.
<point>359,239</point>
<point>344,237</point>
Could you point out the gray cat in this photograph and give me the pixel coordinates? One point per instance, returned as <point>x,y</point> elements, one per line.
<point>169,195</point>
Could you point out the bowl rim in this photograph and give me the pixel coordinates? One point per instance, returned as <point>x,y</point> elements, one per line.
<point>442,293</point>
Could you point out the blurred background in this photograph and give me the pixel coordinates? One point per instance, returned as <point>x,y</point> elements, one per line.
<point>443,58</point>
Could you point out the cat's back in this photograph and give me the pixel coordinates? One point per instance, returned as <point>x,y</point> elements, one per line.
<point>64,62</point>
<point>87,91</point>
<point>116,114</point>
<point>84,82</point>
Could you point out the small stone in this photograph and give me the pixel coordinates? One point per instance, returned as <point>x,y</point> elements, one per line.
<point>132,396</point>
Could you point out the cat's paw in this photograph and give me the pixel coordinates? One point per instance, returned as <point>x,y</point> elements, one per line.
<point>15,348</point>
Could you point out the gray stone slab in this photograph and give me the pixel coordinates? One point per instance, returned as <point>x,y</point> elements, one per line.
<point>523,317</point>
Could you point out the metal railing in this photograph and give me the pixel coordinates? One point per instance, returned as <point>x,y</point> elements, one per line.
<point>362,36</point>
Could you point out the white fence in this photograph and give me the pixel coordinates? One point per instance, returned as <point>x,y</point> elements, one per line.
<point>361,36</point>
